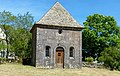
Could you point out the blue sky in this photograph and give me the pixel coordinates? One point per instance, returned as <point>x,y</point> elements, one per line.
<point>79,9</point>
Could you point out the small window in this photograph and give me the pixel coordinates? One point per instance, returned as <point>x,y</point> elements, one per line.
<point>71,51</point>
<point>60,31</point>
<point>47,51</point>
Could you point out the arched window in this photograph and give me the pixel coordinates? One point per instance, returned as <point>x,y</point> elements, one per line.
<point>71,52</point>
<point>47,51</point>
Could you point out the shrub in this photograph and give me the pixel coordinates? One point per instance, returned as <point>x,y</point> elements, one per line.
<point>89,60</point>
<point>2,60</point>
<point>111,58</point>
<point>20,60</point>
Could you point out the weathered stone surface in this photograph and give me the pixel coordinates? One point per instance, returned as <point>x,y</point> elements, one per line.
<point>50,36</point>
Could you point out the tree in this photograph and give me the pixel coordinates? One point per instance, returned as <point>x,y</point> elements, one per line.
<point>101,32</point>
<point>6,21</point>
<point>118,40</point>
<point>22,36</point>
<point>17,31</point>
<point>2,44</point>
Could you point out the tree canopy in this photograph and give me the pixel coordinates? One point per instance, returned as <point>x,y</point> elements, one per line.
<point>100,32</point>
<point>17,31</point>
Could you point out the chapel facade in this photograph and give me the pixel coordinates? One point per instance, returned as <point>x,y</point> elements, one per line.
<point>57,40</point>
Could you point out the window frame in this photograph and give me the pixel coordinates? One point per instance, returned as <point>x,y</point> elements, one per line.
<point>47,51</point>
<point>71,52</point>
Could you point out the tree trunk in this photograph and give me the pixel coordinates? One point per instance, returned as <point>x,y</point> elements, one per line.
<point>7,52</point>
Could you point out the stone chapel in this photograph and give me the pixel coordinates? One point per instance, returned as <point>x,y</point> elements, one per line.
<point>57,40</point>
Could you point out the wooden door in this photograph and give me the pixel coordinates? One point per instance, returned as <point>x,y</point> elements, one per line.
<point>59,58</point>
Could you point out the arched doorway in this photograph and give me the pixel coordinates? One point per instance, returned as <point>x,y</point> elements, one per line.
<point>59,57</point>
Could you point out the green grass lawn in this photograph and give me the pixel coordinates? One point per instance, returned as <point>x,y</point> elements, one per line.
<point>21,70</point>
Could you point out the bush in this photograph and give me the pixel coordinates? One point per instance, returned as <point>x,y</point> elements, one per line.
<point>2,60</point>
<point>26,61</point>
<point>119,67</point>
<point>20,60</point>
<point>89,60</point>
<point>111,58</point>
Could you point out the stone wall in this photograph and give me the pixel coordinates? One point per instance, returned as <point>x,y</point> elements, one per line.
<point>33,61</point>
<point>51,37</point>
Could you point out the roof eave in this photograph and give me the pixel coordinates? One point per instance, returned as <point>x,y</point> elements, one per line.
<point>57,27</point>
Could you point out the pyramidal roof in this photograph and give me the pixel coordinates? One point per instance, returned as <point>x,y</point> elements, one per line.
<point>58,16</point>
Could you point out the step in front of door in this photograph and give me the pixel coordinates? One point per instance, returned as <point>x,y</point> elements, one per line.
<point>59,66</point>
